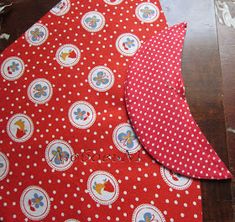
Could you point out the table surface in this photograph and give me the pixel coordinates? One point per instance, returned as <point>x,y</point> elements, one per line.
<point>208,71</point>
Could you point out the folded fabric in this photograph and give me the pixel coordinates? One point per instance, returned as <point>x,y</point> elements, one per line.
<point>159,113</point>
<point>67,151</point>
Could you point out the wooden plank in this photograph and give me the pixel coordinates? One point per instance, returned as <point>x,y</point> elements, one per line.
<point>226,38</point>
<point>203,80</point>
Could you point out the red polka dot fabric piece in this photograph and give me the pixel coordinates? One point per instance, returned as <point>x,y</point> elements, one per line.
<point>67,150</point>
<point>159,112</point>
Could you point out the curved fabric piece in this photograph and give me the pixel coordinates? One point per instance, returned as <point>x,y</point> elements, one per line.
<point>159,112</point>
<point>64,131</point>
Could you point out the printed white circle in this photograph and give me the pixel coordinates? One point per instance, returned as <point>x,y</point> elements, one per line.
<point>71,220</point>
<point>127,44</point>
<point>37,34</point>
<point>103,187</point>
<point>125,139</point>
<point>20,128</point>
<point>68,55</point>
<point>113,2</point>
<point>101,78</point>
<point>175,180</point>
<point>40,91</point>
<point>82,114</point>
<point>12,68</point>
<point>93,21</point>
<point>35,203</point>
<point>147,12</point>
<point>4,166</point>
<point>61,8</point>
<point>58,155</point>
<point>147,212</point>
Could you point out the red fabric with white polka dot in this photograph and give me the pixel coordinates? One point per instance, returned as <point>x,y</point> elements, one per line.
<point>67,150</point>
<point>160,114</point>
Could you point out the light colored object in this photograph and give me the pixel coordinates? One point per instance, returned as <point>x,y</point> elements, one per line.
<point>40,91</point>
<point>58,155</point>
<point>223,14</point>
<point>5,6</point>
<point>127,44</point>
<point>231,130</point>
<point>93,21</point>
<point>103,187</point>
<point>82,115</point>
<point>68,55</point>
<point>101,78</point>
<point>35,203</point>
<point>4,36</point>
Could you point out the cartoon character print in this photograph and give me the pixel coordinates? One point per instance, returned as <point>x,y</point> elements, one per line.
<point>103,187</point>
<point>147,12</point>
<point>14,67</point>
<point>81,114</point>
<point>128,43</point>
<point>147,213</point>
<point>101,78</point>
<point>127,139</point>
<point>21,129</point>
<point>175,180</point>
<point>92,21</point>
<point>148,217</point>
<point>59,156</point>
<point>35,202</point>
<point>61,8</point>
<point>36,35</point>
<point>40,90</point>
<point>68,54</point>
<point>4,166</point>
<point>106,185</point>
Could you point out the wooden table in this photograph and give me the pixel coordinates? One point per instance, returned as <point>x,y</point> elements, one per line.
<point>208,74</point>
<point>209,91</point>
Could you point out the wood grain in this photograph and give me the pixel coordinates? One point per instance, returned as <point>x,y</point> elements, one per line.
<point>204,91</point>
<point>226,38</point>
